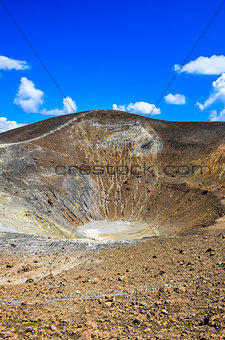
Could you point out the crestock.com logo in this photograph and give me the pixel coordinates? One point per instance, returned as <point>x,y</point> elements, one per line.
<point>174,174</point>
<point>135,170</point>
<point>46,170</point>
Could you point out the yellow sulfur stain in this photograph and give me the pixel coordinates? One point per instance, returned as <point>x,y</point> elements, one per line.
<point>76,205</point>
<point>121,138</point>
<point>49,228</point>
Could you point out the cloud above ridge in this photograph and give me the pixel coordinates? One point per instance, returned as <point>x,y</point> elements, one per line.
<point>6,125</point>
<point>28,97</point>
<point>69,106</point>
<point>217,95</point>
<point>217,117</point>
<point>30,100</point>
<point>142,108</point>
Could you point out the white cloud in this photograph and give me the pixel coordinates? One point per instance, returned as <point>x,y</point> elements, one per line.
<point>28,97</point>
<point>214,65</point>
<point>120,107</point>
<point>6,125</point>
<point>69,106</point>
<point>10,64</point>
<point>218,93</point>
<point>176,99</point>
<point>214,117</point>
<point>141,108</point>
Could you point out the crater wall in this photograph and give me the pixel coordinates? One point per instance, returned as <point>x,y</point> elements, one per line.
<point>106,165</point>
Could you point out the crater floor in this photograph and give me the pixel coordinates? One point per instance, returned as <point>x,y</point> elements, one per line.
<point>120,230</point>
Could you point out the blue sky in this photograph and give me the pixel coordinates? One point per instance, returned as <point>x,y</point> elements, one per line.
<point>112,52</point>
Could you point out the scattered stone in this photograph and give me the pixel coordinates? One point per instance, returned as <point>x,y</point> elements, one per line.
<point>137,321</point>
<point>53,328</point>
<point>122,278</point>
<point>9,265</point>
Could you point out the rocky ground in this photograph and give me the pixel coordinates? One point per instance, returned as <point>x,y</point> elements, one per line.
<point>159,288</point>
